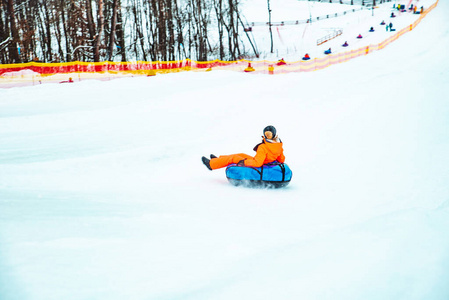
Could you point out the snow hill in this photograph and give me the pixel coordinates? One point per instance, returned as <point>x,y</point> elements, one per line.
<point>103,194</point>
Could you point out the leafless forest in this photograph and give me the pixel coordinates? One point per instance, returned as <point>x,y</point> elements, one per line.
<point>119,30</point>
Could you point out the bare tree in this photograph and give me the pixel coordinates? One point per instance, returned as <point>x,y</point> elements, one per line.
<point>13,47</point>
<point>269,25</point>
<point>120,32</point>
<point>113,30</point>
<point>99,33</point>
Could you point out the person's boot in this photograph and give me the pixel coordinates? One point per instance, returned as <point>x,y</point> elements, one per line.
<point>206,162</point>
<point>212,156</point>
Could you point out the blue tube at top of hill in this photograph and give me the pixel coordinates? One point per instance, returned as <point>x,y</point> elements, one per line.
<point>273,175</point>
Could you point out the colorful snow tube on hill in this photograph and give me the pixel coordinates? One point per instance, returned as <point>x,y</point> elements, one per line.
<point>273,175</point>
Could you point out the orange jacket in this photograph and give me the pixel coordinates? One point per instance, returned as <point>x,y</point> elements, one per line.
<point>266,153</point>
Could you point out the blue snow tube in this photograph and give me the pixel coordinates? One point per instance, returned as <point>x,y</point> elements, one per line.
<point>272,175</point>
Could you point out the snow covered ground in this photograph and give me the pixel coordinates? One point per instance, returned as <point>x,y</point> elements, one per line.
<point>103,194</point>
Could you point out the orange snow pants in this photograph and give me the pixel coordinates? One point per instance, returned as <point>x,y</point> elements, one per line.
<point>225,160</point>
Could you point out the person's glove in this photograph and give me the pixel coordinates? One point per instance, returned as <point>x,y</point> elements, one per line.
<point>241,163</point>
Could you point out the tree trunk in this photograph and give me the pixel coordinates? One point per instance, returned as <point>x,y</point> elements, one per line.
<point>180,37</point>
<point>269,25</point>
<point>112,33</point>
<point>230,29</point>
<point>4,37</point>
<point>120,33</point>
<point>49,57</point>
<point>14,33</point>
<point>98,36</point>
<point>90,19</point>
<point>171,31</point>
<point>64,27</point>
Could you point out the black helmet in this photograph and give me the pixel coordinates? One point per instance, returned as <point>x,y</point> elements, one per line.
<point>271,129</point>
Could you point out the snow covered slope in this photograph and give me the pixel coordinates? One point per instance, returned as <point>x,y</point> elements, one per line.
<point>103,194</point>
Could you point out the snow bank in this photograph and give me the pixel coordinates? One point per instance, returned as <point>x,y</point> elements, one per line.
<point>21,73</point>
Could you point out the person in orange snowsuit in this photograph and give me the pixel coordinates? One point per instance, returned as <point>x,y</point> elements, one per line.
<point>268,151</point>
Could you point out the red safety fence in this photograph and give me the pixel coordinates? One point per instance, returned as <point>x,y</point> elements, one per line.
<point>36,73</point>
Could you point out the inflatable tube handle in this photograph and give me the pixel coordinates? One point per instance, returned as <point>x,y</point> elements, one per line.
<point>283,171</point>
